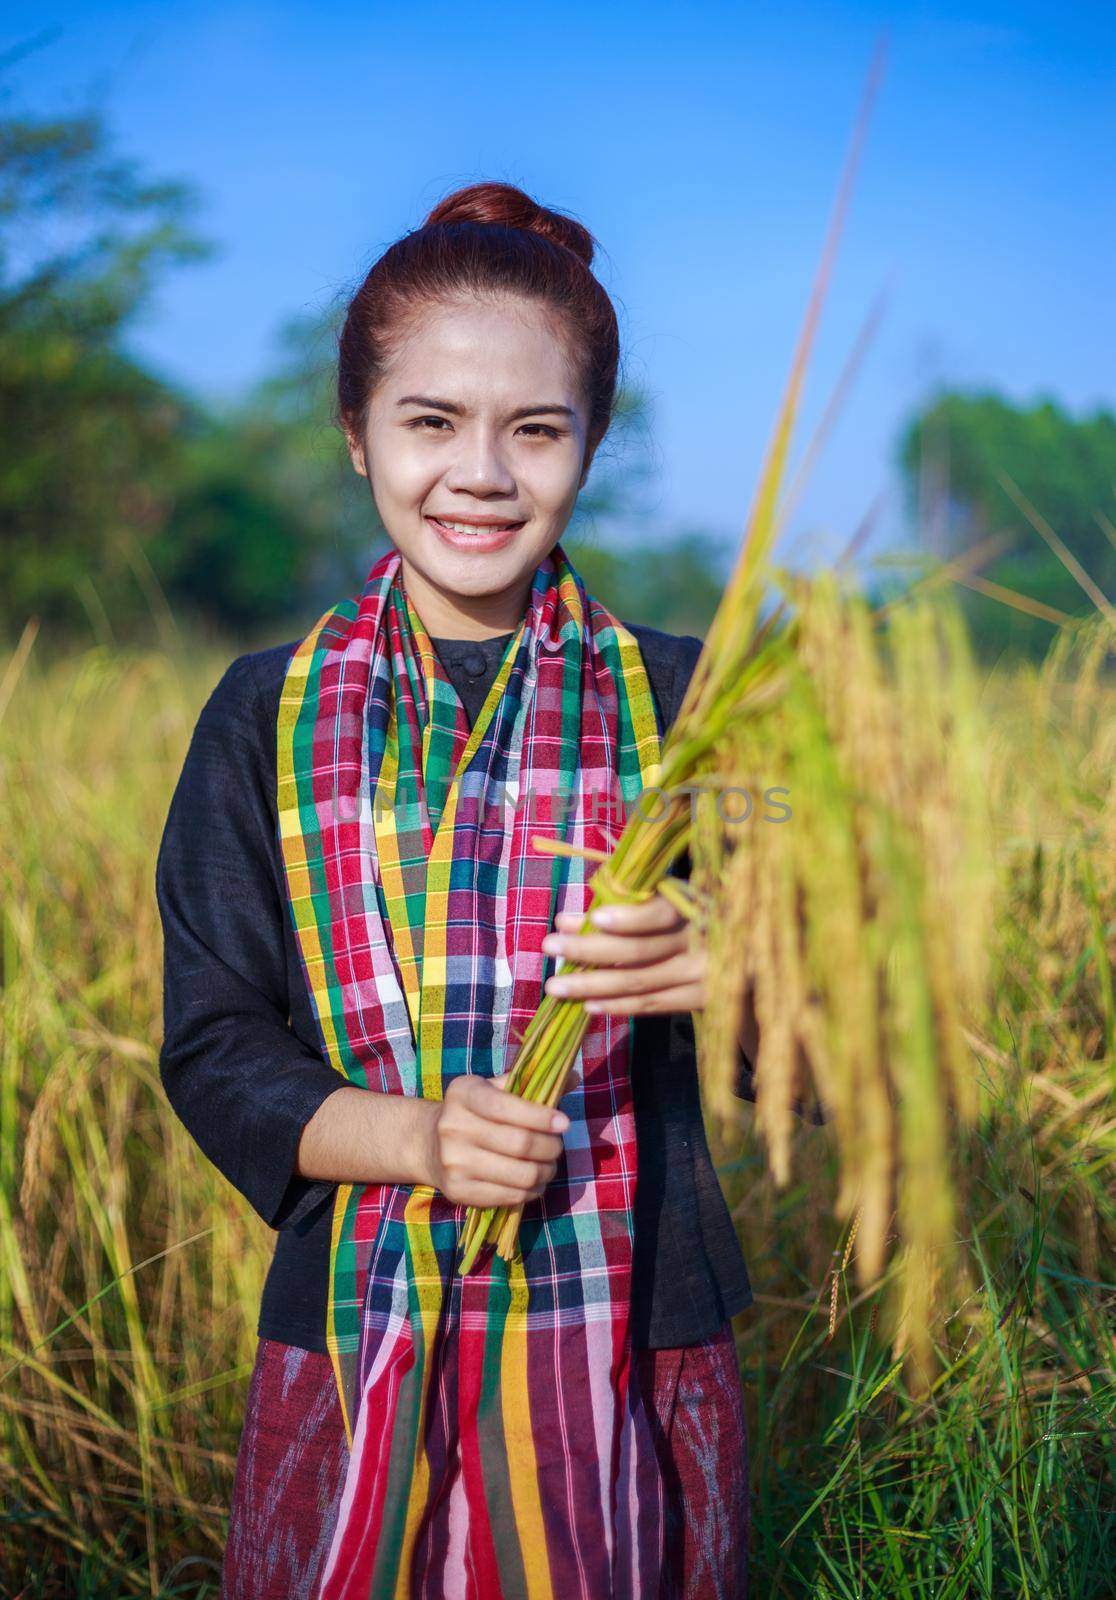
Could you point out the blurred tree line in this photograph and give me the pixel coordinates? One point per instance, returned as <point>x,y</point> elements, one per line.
<point>116,487</point>
<point>979,469</point>
<point>121,494</point>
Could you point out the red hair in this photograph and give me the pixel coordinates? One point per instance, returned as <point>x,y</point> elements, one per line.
<point>485,239</point>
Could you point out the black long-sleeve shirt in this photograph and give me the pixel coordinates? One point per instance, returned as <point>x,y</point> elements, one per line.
<point>242,1070</point>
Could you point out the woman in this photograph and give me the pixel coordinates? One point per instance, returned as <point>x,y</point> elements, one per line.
<point>356,934</point>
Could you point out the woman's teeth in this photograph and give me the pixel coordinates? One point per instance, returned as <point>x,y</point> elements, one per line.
<point>472,527</point>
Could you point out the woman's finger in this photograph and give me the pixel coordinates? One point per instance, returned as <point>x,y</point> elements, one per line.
<point>655,915</point>
<point>616,949</point>
<point>526,1144</point>
<point>656,1002</point>
<point>568,921</point>
<point>470,1164</point>
<point>491,1195</point>
<point>489,1098</point>
<point>603,982</point>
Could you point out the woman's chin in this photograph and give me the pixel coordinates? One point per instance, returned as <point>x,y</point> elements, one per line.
<point>481,572</point>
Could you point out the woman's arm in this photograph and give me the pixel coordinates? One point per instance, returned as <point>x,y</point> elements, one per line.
<point>478,1146</point>
<point>272,1115</point>
<point>237,1076</point>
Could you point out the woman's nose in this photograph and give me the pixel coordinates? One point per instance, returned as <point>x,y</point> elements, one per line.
<point>478,465</point>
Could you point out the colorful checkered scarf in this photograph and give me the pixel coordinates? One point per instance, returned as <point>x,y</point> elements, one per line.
<point>497,1446</point>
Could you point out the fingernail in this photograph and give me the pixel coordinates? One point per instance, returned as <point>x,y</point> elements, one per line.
<point>602,917</point>
<point>559,1122</point>
<point>557,986</point>
<point>552,944</point>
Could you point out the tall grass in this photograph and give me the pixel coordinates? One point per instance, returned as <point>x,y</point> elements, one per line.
<point>131,1271</point>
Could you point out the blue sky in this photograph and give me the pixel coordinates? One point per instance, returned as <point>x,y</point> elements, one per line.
<point>700,144</point>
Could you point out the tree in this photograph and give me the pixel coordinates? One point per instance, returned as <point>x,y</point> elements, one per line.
<point>88,439</point>
<point>962,456</point>
<point>269,524</point>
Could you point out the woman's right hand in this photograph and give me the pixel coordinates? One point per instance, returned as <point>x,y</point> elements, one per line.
<point>489,1148</point>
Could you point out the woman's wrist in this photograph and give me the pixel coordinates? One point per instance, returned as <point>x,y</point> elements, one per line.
<point>365,1136</point>
<point>424,1156</point>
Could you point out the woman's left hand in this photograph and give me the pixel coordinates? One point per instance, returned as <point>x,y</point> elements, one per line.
<point>651,960</point>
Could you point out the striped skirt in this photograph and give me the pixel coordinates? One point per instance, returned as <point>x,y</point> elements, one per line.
<point>291,1465</point>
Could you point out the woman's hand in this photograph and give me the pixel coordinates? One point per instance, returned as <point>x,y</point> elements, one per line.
<point>651,959</point>
<point>490,1148</point>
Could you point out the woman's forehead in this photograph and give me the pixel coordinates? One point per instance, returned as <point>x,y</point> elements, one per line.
<point>474,346</point>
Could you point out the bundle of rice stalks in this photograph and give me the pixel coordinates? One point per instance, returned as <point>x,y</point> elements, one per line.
<point>861,923</point>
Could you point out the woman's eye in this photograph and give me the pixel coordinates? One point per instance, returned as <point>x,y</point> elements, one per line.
<point>440,423</point>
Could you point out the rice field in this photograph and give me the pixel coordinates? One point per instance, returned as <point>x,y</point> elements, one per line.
<point>131,1271</point>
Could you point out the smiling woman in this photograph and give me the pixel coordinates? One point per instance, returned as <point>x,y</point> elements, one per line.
<point>355,941</point>
<point>452,441</point>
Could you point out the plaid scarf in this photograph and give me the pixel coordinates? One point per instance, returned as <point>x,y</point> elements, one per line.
<point>498,1448</point>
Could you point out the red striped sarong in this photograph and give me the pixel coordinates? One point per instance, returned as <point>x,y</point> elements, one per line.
<point>291,1464</point>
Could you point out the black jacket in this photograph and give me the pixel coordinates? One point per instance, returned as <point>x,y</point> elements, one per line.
<point>241,1068</point>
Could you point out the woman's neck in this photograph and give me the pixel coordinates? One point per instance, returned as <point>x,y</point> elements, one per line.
<point>465,616</point>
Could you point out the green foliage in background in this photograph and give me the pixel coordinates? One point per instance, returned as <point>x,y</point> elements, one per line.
<point>88,439</point>
<point>957,454</point>
<point>114,483</point>
<point>270,523</point>
<point>674,585</point>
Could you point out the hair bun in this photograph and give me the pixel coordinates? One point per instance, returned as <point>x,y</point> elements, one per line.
<point>504,203</point>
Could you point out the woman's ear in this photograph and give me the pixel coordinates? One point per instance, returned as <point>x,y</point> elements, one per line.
<point>588,462</point>
<point>356,453</point>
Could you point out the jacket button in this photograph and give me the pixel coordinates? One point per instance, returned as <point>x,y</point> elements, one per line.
<point>474,663</point>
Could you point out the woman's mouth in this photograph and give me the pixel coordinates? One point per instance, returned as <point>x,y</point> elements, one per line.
<point>475,536</point>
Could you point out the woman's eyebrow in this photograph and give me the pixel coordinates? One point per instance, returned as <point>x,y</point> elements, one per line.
<point>545,407</point>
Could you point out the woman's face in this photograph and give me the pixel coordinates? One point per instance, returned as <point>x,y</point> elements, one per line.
<point>477,420</point>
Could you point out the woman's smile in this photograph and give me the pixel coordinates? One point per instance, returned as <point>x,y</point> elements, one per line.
<point>467,534</point>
